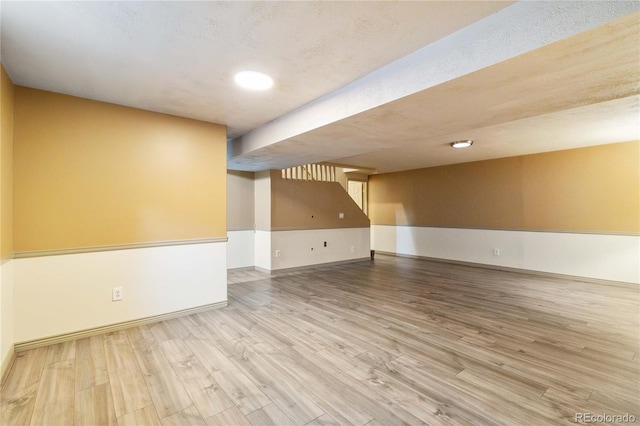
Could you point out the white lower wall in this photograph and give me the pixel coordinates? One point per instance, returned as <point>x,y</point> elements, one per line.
<point>609,257</point>
<point>262,253</point>
<point>240,249</point>
<point>66,293</point>
<point>6,313</point>
<point>306,247</point>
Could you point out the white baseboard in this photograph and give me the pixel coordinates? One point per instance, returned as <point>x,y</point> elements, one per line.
<point>7,363</point>
<point>316,265</point>
<point>501,268</point>
<point>66,337</point>
<point>7,340</point>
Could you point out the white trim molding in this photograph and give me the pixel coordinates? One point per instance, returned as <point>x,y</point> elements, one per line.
<point>7,363</point>
<point>60,338</point>
<point>94,249</point>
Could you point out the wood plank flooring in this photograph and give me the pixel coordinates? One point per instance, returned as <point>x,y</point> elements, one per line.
<point>390,342</point>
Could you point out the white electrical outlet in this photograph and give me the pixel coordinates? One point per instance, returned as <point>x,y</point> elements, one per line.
<point>353,249</point>
<point>116,294</point>
<point>277,253</point>
<point>340,215</point>
<point>496,252</point>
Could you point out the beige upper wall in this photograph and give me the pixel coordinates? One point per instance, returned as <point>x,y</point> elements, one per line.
<point>482,194</point>
<point>262,204</point>
<point>591,189</point>
<point>595,189</point>
<point>88,173</point>
<point>240,200</point>
<point>297,204</point>
<point>6,164</point>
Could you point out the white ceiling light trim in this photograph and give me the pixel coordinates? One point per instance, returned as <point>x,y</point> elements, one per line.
<point>462,144</point>
<point>253,80</point>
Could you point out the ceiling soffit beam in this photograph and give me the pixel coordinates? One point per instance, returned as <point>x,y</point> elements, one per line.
<point>511,32</point>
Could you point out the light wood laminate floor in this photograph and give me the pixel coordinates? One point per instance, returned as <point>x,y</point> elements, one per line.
<point>395,341</point>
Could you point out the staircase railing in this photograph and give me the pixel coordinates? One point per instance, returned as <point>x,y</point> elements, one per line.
<point>311,172</point>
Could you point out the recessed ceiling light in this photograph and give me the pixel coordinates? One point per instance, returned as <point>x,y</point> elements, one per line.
<point>253,80</point>
<point>462,144</point>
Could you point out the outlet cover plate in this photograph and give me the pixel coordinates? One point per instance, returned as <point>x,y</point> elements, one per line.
<point>116,294</point>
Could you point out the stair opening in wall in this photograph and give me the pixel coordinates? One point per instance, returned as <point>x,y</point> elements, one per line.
<point>311,172</point>
<point>352,179</point>
<point>358,191</point>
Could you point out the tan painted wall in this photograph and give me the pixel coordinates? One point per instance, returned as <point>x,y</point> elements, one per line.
<point>7,93</point>
<point>262,204</point>
<point>294,202</point>
<point>88,173</point>
<point>482,194</point>
<point>595,189</point>
<point>6,164</point>
<point>590,189</point>
<point>240,200</point>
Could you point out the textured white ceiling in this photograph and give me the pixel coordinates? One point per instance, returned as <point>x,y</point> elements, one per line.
<point>531,59</point>
<point>580,91</point>
<point>382,85</point>
<point>180,57</point>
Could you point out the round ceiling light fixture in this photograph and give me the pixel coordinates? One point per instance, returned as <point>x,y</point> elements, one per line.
<point>253,80</point>
<point>462,144</point>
